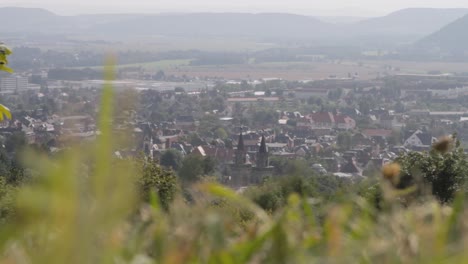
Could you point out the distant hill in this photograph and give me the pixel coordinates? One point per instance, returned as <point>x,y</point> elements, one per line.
<point>341,19</point>
<point>221,24</point>
<point>405,26</point>
<point>451,38</point>
<point>234,25</point>
<point>30,20</point>
<point>415,22</point>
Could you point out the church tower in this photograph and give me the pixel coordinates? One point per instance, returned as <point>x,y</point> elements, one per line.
<point>262,155</point>
<point>148,141</point>
<point>241,154</point>
<point>148,147</point>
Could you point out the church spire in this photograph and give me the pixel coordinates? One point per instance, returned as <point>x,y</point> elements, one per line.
<point>240,143</point>
<point>263,147</point>
<point>262,155</point>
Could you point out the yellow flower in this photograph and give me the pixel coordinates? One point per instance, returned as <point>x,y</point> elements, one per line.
<point>443,144</point>
<point>391,172</point>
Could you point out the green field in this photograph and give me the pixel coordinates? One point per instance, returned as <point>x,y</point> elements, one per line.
<point>294,70</point>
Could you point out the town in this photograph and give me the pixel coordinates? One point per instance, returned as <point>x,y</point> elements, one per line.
<point>247,130</point>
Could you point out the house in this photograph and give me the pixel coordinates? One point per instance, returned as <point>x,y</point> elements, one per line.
<point>186,122</point>
<point>253,100</point>
<point>304,123</point>
<point>378,136</point>
<point>221,154</point>
<point>285,138</point>
<point>277,147</point>
<point>420,140</point>
<point>377,133</point>
<point>351,167</point>
<point>302,151</point>
<point>306,93</point>
<point>344,122</point>
<point>387,121</point>
<point>322,120</point>
<point>331,164</point>
<point>360,139</point>
<point>199,151</point>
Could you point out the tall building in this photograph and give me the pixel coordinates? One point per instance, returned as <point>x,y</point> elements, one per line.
<point>243,172</point>
<point>262,155</point>
<point>148,141</point>
<point>15,83</point>
<point>241,153</point>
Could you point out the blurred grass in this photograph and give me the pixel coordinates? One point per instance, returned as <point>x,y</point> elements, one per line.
<point>83,208</point>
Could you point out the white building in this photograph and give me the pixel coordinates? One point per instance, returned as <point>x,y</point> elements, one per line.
<point>11,84</point>
<point>420,139</point>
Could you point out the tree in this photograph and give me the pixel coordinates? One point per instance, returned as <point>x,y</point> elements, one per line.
<point>364,106</point>
<point>7,199</point>
<point>335,94</point>
<point>126,104</point>
<point>194,167</point>
<point>208,125</point>
<point>155,179</point>
<point>15,142</point>
<point>179,90</point>
<point>400,107</point>
<point>395,138</point>
<point>209,165</point>
<point>444,169</point>
<point>221,133</point>
<point>171,159</point>
<point>344,140</point>
<point>273,194</point>
<point>265,117</point>
<point>191,169</point>
<point>194,139</point>
<point>160,75</point>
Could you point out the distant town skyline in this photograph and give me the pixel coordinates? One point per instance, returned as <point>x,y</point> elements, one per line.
<point>359,8</point>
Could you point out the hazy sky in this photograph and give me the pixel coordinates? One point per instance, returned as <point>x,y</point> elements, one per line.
<point>310,7</point>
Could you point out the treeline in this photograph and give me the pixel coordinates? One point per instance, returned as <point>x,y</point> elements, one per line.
<point>220,58</point>
<point>75,74</point>
<point>26,58</point>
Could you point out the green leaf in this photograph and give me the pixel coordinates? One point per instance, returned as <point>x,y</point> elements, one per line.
<point>4,111</point>
<point>6,69</point>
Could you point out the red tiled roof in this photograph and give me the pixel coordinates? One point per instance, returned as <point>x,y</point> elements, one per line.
<point>377,132</point>
<point>342,119</point>
<point>253,99</point>
<point>322,117</point>
<point>220,154</point>
<point>303,120</point>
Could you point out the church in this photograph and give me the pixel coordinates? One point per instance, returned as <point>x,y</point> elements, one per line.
<point>243,171</point>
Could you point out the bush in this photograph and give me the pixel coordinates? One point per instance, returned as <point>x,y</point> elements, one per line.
<point>273,194</point>
<point>443,171</point>
<point>152,178</point>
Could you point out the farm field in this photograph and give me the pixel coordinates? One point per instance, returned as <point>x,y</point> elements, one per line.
<point>149,66</point>
<point>370,69</point>
<point>316,70</point>
<point>284,70</point>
